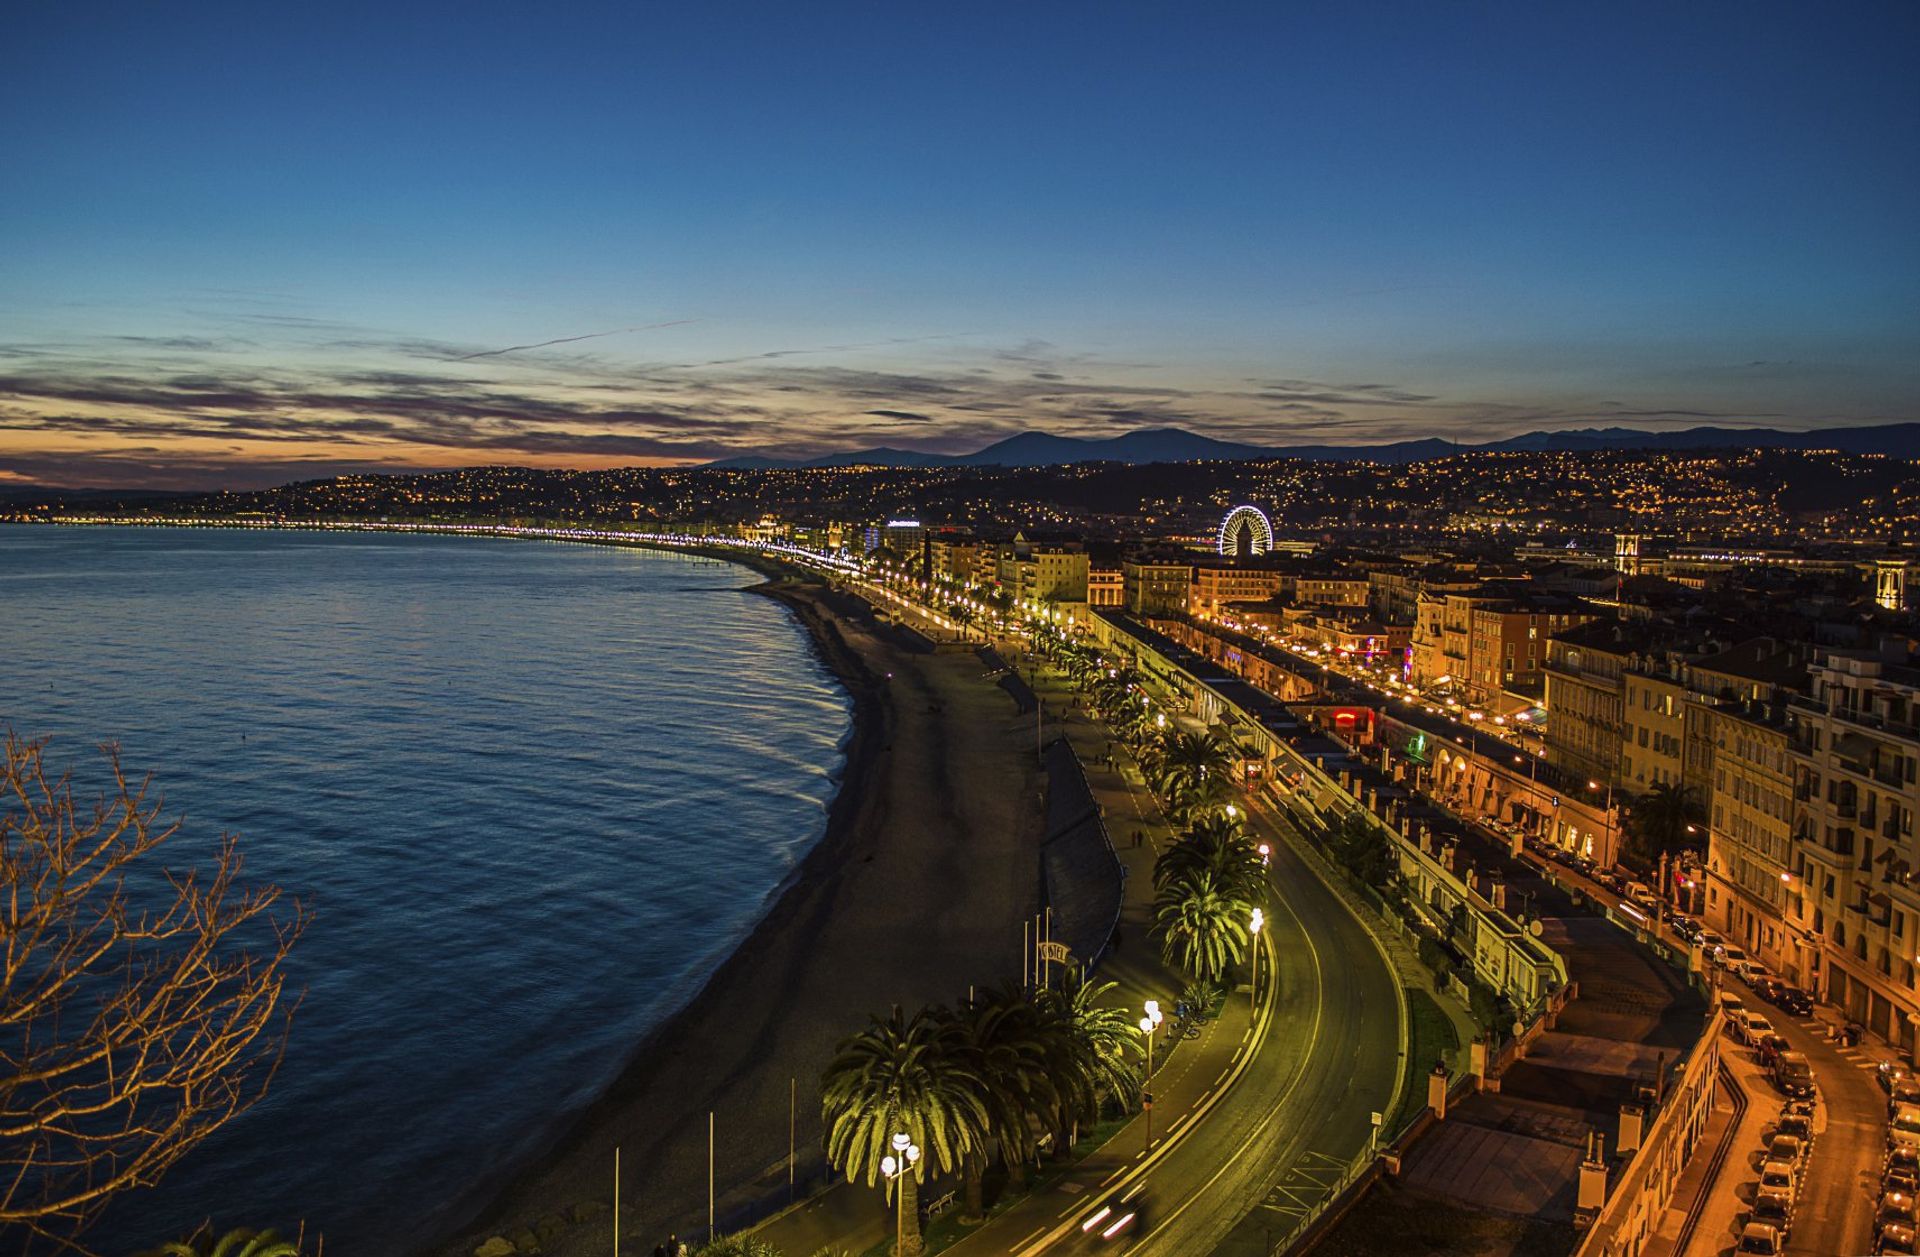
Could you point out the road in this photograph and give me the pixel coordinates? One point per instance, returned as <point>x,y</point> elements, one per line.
<point>1842,1186</point>
<point>1263,1102</point>
<point>1330,1056</point>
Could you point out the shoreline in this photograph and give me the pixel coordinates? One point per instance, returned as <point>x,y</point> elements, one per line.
<point>479,1205</point>
<point>559,1193</point>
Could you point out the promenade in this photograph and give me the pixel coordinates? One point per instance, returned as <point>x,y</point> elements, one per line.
<point>917,890</point>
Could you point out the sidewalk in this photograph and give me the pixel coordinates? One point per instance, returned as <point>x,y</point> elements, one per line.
<point>1726,1182</point>
<point>855,1219</point>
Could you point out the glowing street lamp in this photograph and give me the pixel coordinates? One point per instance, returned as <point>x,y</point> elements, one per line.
<point>1148,1024</point>
<point>1253,932</point>
<point>896,1168</point>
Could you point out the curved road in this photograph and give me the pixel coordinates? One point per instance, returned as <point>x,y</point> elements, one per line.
<point>1327,1052</point>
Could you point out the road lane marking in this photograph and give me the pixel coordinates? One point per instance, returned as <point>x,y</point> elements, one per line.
<point>1279,1104</point>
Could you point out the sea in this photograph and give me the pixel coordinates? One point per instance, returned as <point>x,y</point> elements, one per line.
<point>532,793</point>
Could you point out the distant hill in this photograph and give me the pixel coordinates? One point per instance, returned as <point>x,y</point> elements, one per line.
<point>1175,445</point>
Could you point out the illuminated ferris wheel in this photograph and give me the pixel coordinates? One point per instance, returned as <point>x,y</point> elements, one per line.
<point>1245,532</point>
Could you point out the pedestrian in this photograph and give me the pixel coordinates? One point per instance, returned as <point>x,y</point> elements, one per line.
<point>659,1250</point>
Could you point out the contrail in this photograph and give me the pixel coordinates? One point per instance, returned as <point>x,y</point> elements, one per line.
<point>568,340</point>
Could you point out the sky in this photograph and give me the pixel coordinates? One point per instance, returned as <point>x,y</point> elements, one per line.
<point>246,244</point>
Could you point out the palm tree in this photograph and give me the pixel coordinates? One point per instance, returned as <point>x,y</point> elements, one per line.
<point>1203,928</point>
<point>239,1242</point>
<point>1008,1055</point>
<point>1220,846</point>
<point>903,1075</point>
<point>1094,1040</point>
<point>1659,821</point>
<point>1195,769</point>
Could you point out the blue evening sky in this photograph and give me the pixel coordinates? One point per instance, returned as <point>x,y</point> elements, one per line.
<point>268,234</point>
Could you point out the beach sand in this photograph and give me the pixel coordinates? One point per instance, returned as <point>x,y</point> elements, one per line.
<point>918,888</point>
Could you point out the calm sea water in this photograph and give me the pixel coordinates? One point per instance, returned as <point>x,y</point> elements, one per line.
<point>533,793</point>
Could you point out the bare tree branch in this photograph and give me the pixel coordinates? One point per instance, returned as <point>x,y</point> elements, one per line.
<point>134,1021</point>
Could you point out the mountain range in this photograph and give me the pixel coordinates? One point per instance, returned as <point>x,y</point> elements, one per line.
<point>1176,445</point>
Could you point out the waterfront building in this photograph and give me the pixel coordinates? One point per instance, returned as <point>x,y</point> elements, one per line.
<point>1106,585</point>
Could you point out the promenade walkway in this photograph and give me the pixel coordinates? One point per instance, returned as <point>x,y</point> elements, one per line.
<point>853,1218</point>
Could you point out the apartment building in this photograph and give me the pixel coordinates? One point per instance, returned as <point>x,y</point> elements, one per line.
<point>1053,573</point>
<point>1507,639</point>
<point>1856,764</point>
<point>1106,585</point>
<point>1218,585</point>
<point>1753,896</point>
<point>1586,697</point>
<point>1156,584</point>
<point>1332,589</point>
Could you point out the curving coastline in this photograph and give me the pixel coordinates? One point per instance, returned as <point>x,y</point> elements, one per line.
<point>915,889</point>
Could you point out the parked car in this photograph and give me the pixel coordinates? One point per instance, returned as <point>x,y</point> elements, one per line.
<point>1615,881</point>
<point>1752,1028</point>
<point>1780,1176</point>
<point>1771,1045</point>
<point>1904,1129</point>
<point>1897,1206</point>
<point>1899,1180</point>
<point>1733,1006</point>
<point>1895,1239</point>
<point>1889,1072</point>
<point>1767,987</point>
<point>1731,958</point>
<point>1759,1237</point>
<point>1794,1076</point>
<point>1905,1091</point>
<point>1786,1148</point>
<point>1795,1001</point>
<point>1799,1125</point>
<point>1686,927</point>
<point>1775,1209</point>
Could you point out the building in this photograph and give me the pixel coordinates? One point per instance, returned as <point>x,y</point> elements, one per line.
<point>1856,766</point>
<point>1156,584</point>
<point>1106,586</point>
<point>1507,640</point>
<point>1586,697</point>
<point>1050,573</point>
<point>1751,889</point>
<point>1332,589</point>
<point>1217,585</point>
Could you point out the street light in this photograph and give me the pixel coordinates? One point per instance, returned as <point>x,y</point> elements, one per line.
<point>1148,1024</point>
<point>1253,988</point>
<point>896,1168</point>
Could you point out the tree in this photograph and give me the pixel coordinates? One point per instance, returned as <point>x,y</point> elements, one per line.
<point>1093,1041</point>
<point>1660,821</point>
<point>902,1075</point>
<point>1194,769</point>
<point>1009,1054</point>
<point>1365,849</point>
<point>236,1243</point>
<point>1220,846</point>
<point>1203,929</point>
<point>140,1004</point>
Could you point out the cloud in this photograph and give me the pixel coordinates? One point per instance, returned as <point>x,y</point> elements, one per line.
<point>568,340</point>
<point>905,416</point>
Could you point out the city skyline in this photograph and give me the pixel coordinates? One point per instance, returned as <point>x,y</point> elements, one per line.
<point>257,248</point>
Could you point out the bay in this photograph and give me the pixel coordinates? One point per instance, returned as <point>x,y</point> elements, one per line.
<point>532,792</point>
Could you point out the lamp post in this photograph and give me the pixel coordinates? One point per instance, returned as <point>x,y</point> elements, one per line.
<point>1253,931</point>
<point>1606,810</point>
<point>899,1169</point>
<point>1148,1024</point>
